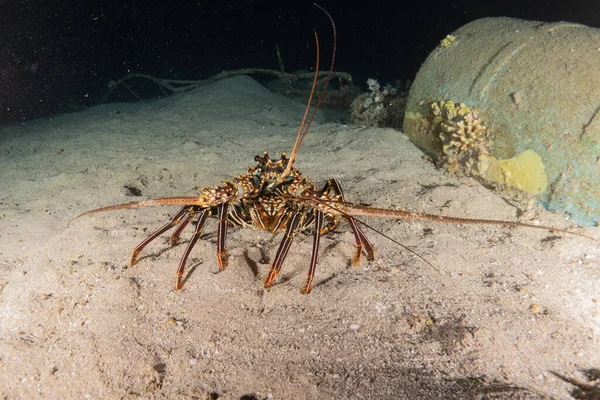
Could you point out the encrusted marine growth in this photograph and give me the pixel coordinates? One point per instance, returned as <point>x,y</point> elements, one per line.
<point>459,139</point>
<point>448,41</point>
<point>380,106</point>
<point>461,132</point>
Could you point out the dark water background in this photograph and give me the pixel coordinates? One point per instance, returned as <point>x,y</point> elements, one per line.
<point>59,55</point>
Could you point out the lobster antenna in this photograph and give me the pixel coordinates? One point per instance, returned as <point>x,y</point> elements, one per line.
<point>396,242</point>
<point>322,96</point>
<point>347,215</point>
<point>354,210</point>
<point>304,129</point>
<point>163,201</point>
<point>300,135</point>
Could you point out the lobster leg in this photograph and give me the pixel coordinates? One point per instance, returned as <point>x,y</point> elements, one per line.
<point>315,251</point>
<point>362,243</point>
<point>190,246</point>
<point>180,217</point>
<point>282,251</point>
<point>184,222</point>
<point>221,233</point>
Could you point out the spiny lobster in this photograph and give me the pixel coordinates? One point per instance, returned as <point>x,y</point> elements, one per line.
<point>274,196</point>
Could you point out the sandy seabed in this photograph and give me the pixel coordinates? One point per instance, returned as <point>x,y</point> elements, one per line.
<point>510,313</point>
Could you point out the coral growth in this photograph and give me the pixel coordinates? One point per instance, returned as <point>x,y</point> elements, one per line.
<point>459,138</point>
<point>448,41</point>
<point>380,106</point>
<point>461,133</point>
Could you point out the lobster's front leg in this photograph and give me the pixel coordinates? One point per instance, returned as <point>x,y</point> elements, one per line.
<point>221,233</point>
<point>290,232</point>
<point>182,218</point>
<point>190,246</point>
<point>334,189</point>
<point>210,202</point>
<point>221,197</point>
<point>315,251</point>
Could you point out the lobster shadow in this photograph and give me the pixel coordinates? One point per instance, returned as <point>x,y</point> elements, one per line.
<point>589,390</point>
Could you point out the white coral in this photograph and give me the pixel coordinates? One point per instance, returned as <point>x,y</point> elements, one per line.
<point>373,85</point>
